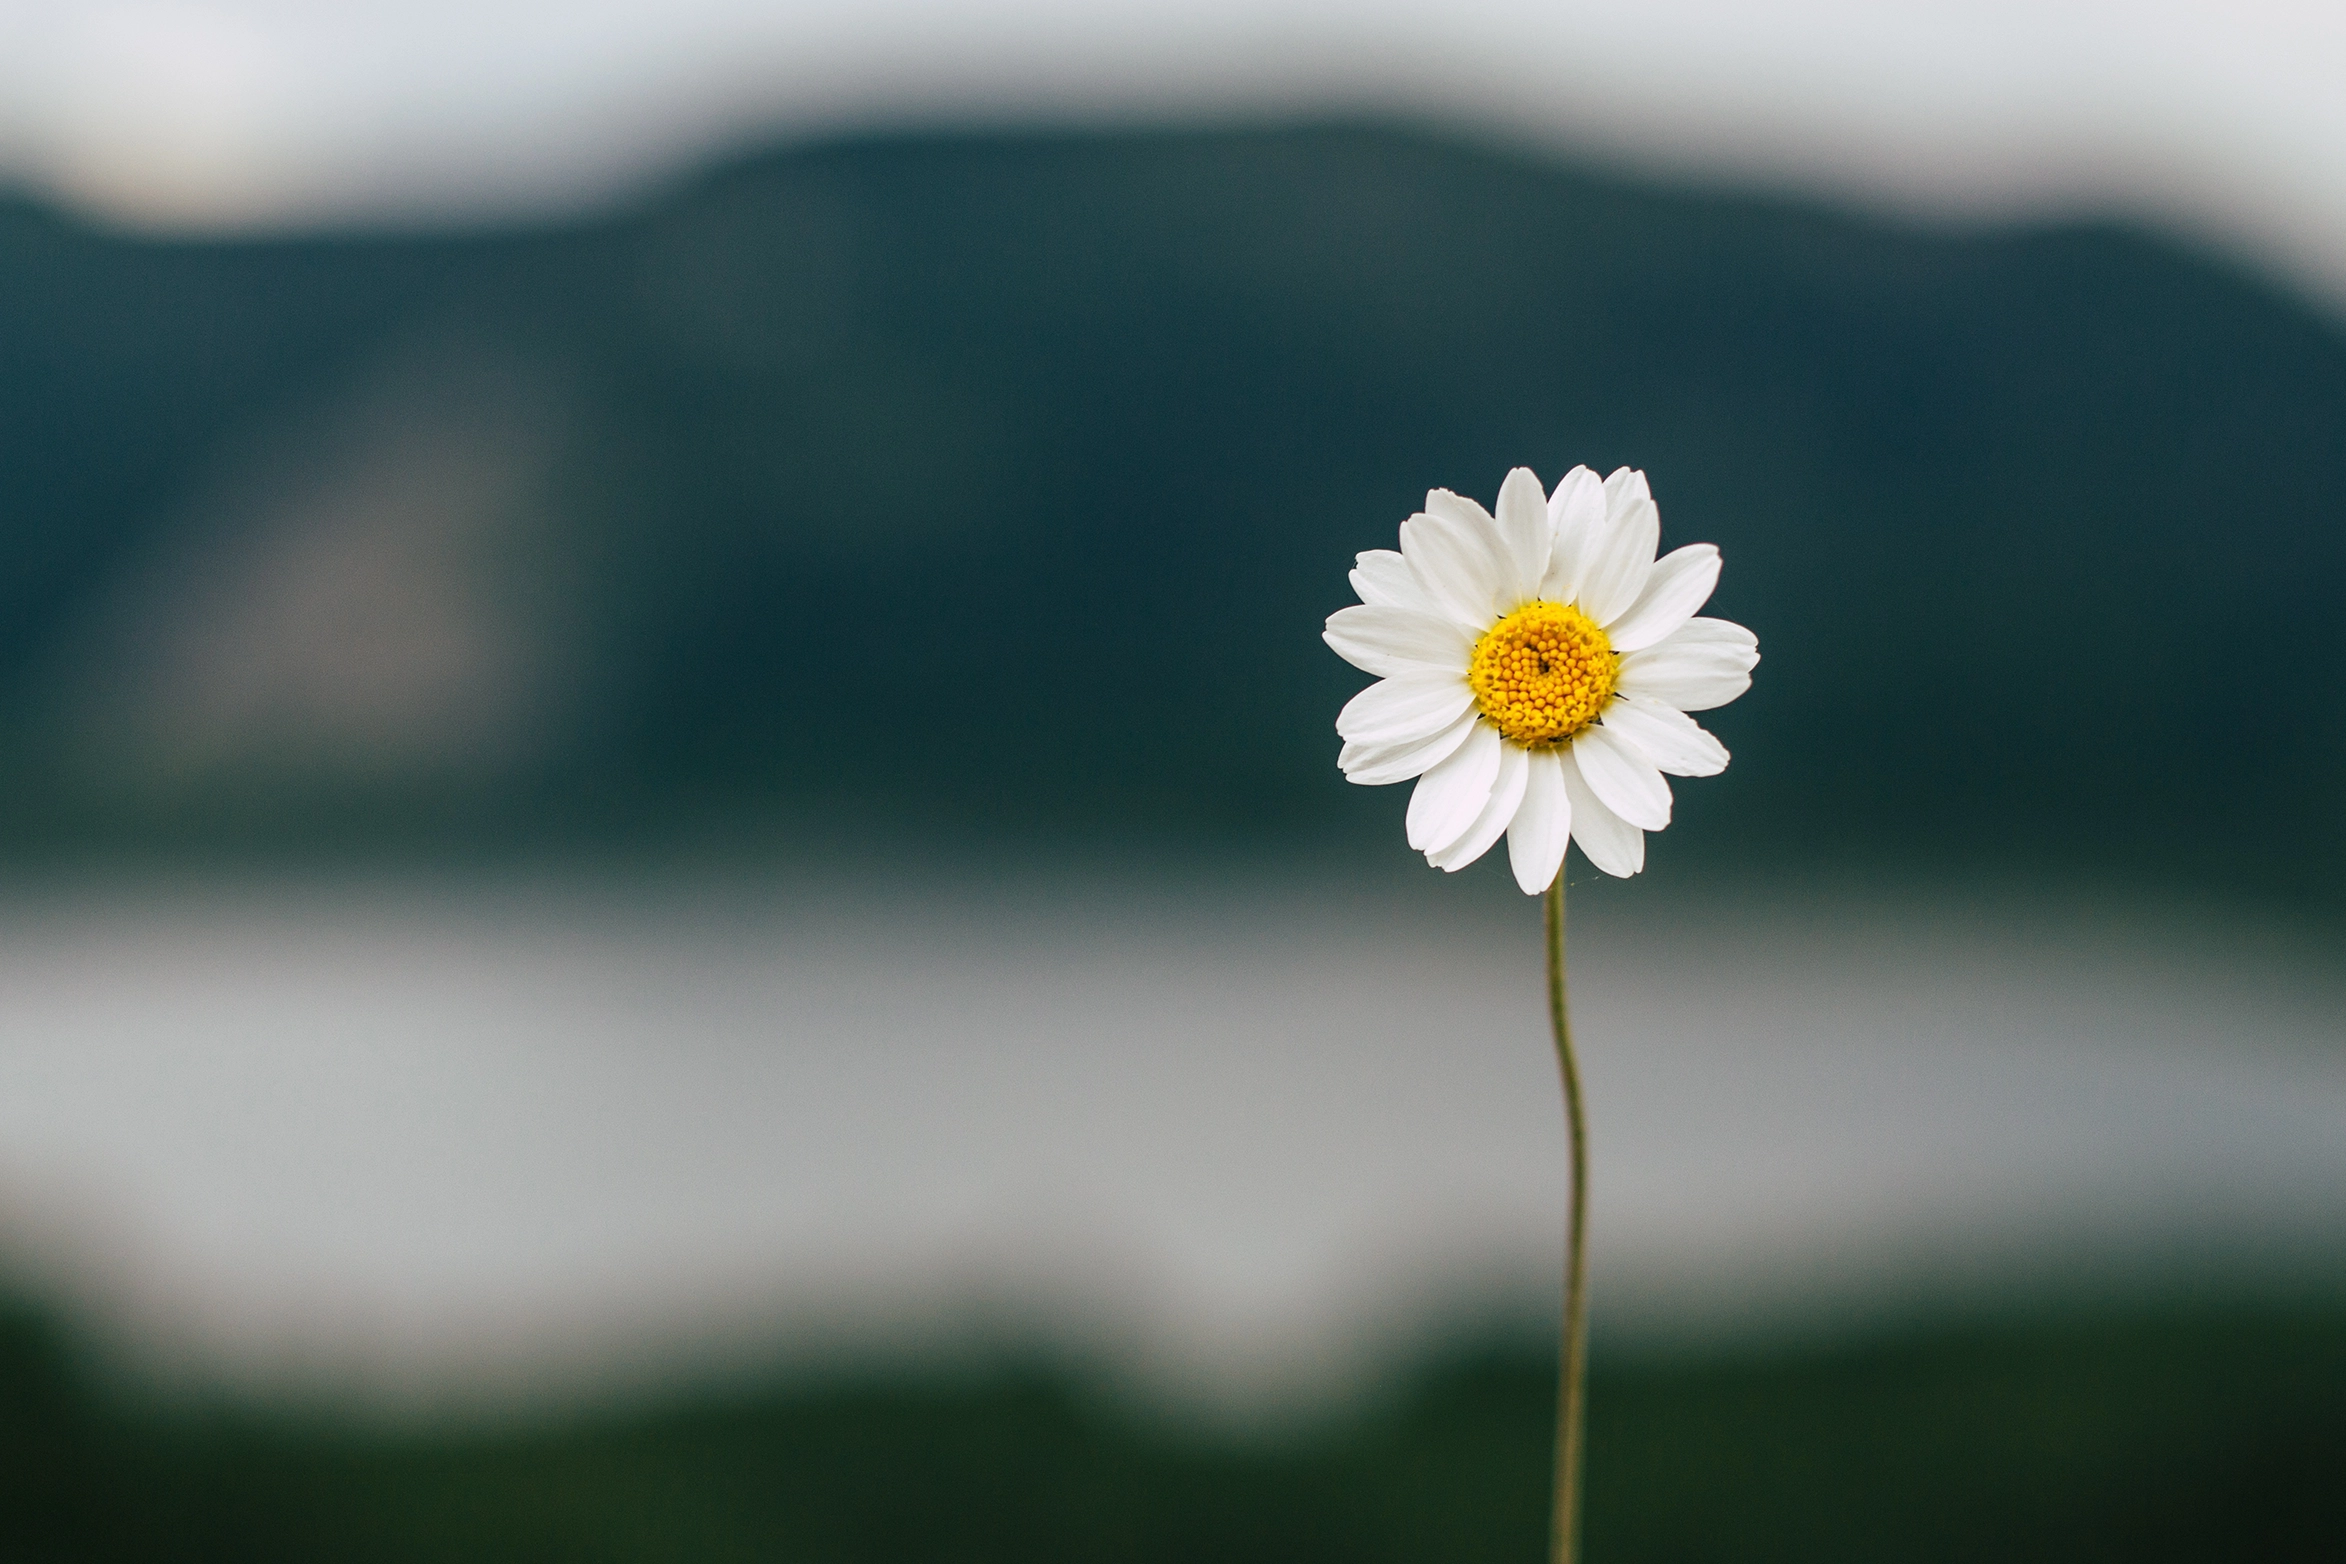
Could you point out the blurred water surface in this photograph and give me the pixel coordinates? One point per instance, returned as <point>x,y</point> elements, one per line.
<point>437,1142</point>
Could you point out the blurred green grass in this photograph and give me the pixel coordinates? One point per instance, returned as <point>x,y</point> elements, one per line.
<point>2198,1434</point>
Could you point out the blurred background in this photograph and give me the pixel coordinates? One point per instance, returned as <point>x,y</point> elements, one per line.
<point>672,882</point>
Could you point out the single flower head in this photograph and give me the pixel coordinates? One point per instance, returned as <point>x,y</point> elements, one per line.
<point>1535,668</point>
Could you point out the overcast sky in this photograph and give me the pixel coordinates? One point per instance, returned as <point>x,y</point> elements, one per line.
<point>2224,119</point>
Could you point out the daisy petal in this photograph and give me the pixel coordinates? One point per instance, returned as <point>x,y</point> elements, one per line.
<point>1522,521</point>
<point>1496,816</point>
<point>1542,825</point>
<point>1453,545</point>
<point>1714,632</point>
<point>1691,672</point>
<point>1613,574</point>
<point>1623,487</point>
<point>1576,514</point>
<point>1376,765</point>
<point>1457,507</point>
<point>1384,578</point>
<point>1672,740</point>
<point>1680,582</point>
<point>1404,710</point>
<point>1452,794</point>
<point>1619,774</point>
<point>1611,843</point>
<point>1390,642</point>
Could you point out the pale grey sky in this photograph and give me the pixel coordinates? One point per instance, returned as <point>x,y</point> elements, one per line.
<point>2222,119</point>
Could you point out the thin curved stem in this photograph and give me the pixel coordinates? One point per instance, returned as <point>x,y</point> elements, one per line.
<point>1572,1367</point>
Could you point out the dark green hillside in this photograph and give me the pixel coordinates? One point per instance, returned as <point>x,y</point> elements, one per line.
<point>1002,482</point>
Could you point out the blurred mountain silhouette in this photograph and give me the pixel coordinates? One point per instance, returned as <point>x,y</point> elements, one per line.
<point>999,484</point>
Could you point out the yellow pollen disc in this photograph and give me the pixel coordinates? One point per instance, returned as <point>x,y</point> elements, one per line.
<point>1543,673</point>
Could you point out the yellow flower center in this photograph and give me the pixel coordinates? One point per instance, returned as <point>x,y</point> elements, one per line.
<point>1543,673</point>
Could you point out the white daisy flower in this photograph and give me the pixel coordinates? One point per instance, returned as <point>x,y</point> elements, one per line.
<point>1535,672</point>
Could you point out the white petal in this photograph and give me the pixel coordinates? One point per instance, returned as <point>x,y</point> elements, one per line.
<point>1613,575</point>
<point>1576,513</point>
<point>1522,521</point>
<point>1496,816</point>
<point>1452,794</point>
<point>1627,782</point>
<point>1405,710</point>
<point>1672,740</point>
<point>1376,765</point>
<point>1457,507</point>
<point>1391,642</point>
<point>1610,842</point>
<point>1453,545</point>
<point>1680,583</point>
<point>1624,487</point>
<point>1542,825</point>
<point>1713,632</point>
<point>1692,672</point>
<point>1383,577</point>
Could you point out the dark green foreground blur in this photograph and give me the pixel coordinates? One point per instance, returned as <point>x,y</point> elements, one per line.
<point>2209,1436</point>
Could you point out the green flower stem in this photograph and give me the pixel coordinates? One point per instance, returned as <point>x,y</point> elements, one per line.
<point>1572,1369</point>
